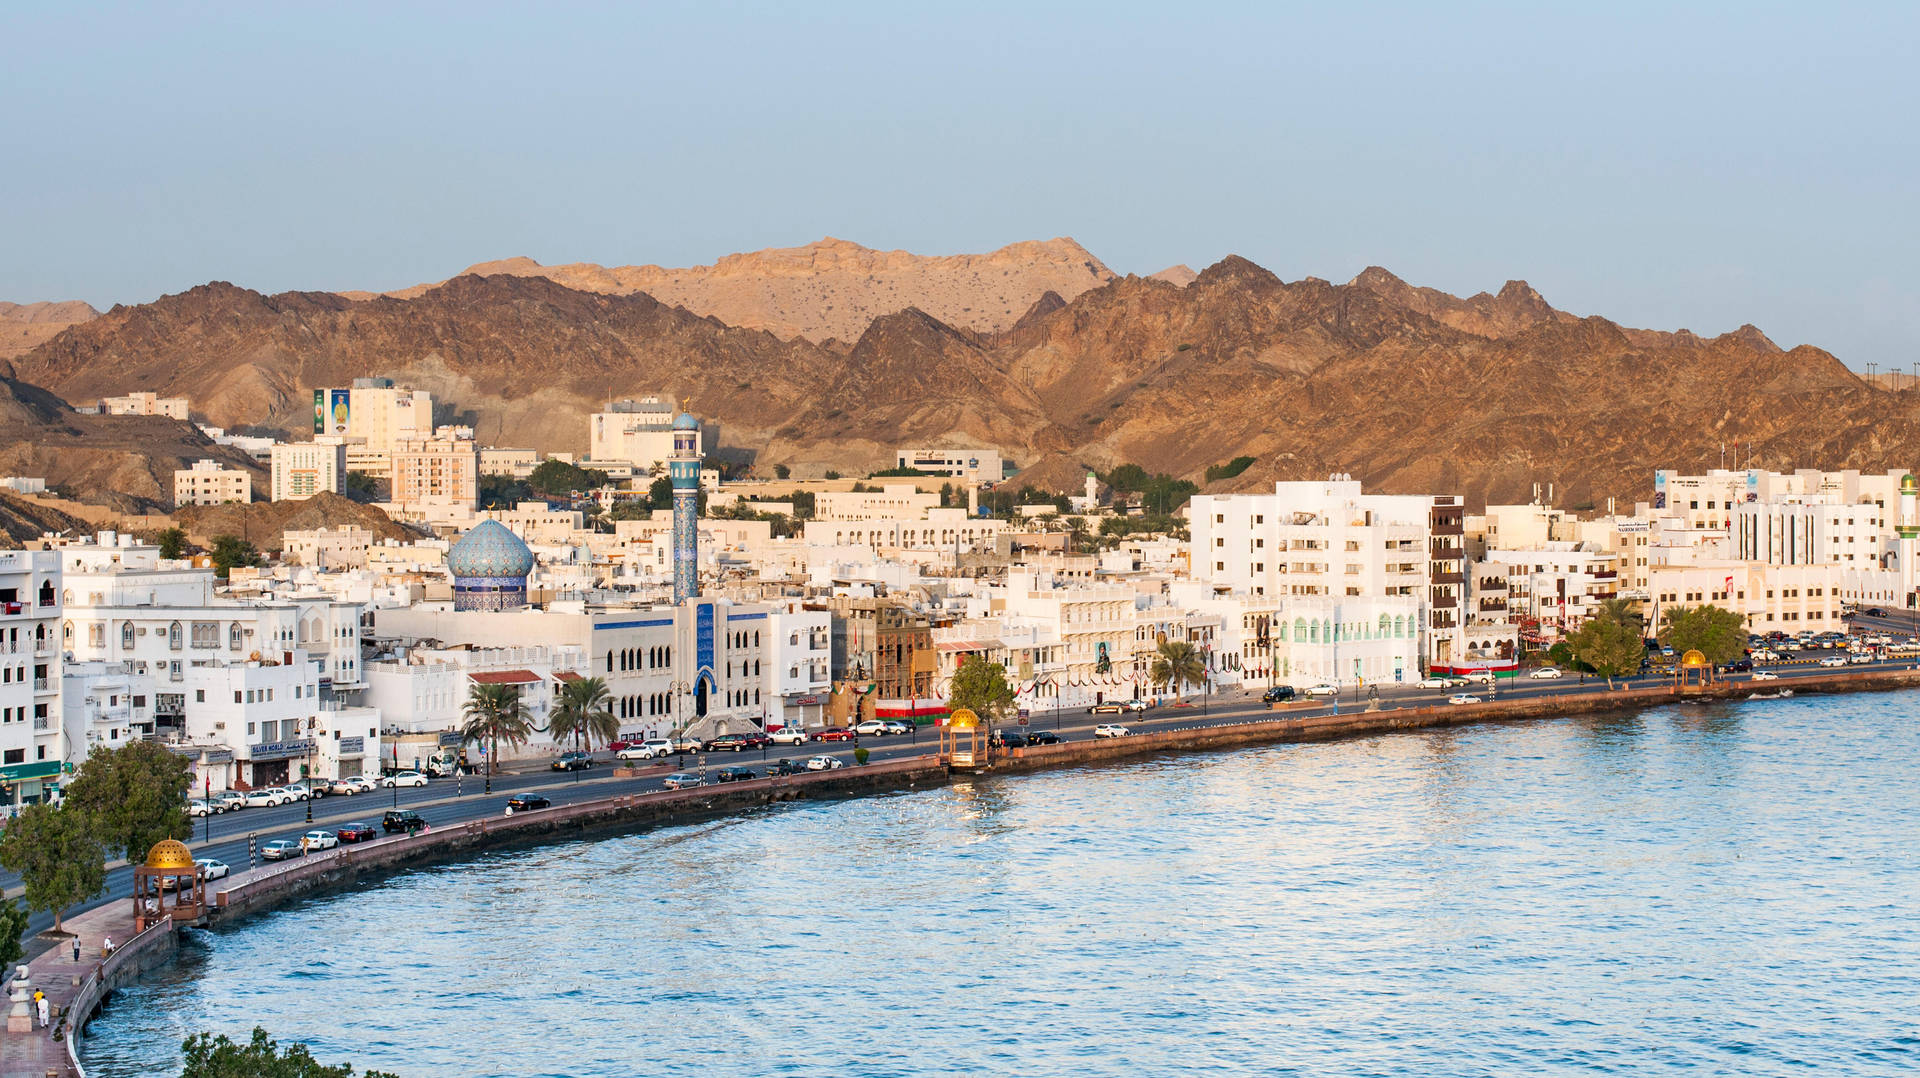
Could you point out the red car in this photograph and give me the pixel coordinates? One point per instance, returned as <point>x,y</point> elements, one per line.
<point>616,746</point>
<point>840,734</point>
<point>355,832</point>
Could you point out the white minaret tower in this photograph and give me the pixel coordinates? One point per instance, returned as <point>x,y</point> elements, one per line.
<point>1907,531</point>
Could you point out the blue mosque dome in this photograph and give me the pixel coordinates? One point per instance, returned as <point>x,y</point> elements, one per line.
<point>685,421</point>
<point>490,549</point>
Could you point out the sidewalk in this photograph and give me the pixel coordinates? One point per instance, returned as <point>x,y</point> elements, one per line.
<point>35,1054</point>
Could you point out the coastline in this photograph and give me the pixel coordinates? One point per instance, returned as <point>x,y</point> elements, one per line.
<point>263,891</point>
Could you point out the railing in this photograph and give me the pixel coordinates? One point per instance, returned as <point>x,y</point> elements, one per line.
<point>97,983</point>
<point>40,722</point>
<point>42,684</point>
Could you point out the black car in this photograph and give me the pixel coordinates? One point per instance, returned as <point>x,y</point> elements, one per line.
<point>1278,694</point>
<point>734,774</point>
<point>573,761</point>
<point>1042,737</point>
<point>527,802</point>
<point>1010,739</point>
<point>1876,612</point>
<point>784,766</point>
<point>398,820</point>
<point>1740,666</point>
<point>356,832</point>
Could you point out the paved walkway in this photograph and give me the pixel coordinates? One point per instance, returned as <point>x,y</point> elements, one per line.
<point>36,1054</point>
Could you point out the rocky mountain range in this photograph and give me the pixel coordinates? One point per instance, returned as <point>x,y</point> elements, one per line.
<point>1407,388</point>
<point>24,325</point>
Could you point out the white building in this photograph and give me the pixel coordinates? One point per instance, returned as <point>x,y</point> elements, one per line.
<point>303,469</point>
<point>639,433</point>
<point>1810,532</point>
<point>32,743</point>
<point>370,416</point>
<point>104,703</point>
<point>971,465</point>
<point>145,403</point>
<point>343,547</point>
<point>209,482</point>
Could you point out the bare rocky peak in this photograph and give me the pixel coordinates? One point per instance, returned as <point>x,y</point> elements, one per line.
<point>1179,276</point>
<point>25,325</point>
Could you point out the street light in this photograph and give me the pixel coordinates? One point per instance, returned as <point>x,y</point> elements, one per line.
<point>307,770</point>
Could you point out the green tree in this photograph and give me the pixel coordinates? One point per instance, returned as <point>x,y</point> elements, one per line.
<point>502,491</point>
<point>584,714</point>
<point>360,487</point>
<point>231,552</point>
<point>1131,478</point>
<point>831,474</point>
<point>13,925</point>
<point>630,509</point>
<point>660,493</point>
<point>134,795</point>
<point>559,477</point>
<point>1177,663</point>
<point>172,543</point>
<point>1077,533</point>
<point>208,1056</point>
<point>1713,631</point>
<point>803,504</point>
<point>1612,642</point>
<point>1229,469</point>
<point>495,713</point>
<point>981,687</point>
<point>56,855</point>
<point>781,471</point>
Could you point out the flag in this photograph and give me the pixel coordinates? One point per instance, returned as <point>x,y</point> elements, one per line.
<point>1729,587</point>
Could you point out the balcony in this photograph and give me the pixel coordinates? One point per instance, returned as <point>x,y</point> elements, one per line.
<point>1449,578</point>
<point>1445,552</point>
<point>41,723</point>
<point>42,684</point>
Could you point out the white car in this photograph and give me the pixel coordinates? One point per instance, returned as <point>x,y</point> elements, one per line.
<point>1463,698</point>
<point>408,778</point>
<point>1765,675</point>
<point>321,840</point>
<point>646,750</point>
<point>265,797</point>
<point>197,807</point>
<point>1833,660</point>
<point>214,870</point>
<point>297,792</point>
<point>872,728</point>
<point>788,735</point>
<point>825,763</point>
<point>1435,682</point>
<point>1484,677</point>
<point>232,799</point>
<point>342,787</point>
<point>366,784</point>
<point>1860,659</point>
<point>1545,672</point>
<point>1324,690</point>
<point>1111,729</point>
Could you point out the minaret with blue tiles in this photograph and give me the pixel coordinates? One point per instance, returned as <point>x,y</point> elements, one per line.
<point>684,470</point>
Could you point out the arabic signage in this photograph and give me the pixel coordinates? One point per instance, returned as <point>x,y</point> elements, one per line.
<point>278,750</point>
<point>352,746</point>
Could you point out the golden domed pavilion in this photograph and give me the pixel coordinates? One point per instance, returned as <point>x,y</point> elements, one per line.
<point>1693,668</point>
<point>168,884</point>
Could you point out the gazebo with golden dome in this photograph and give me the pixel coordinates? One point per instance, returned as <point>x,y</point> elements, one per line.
<point>963,741</point>
<point>168,884</point>
<point>1693,671</point>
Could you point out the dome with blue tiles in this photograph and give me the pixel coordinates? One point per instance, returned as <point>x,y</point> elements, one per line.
<point>490,550</point>
<point>685,421</point>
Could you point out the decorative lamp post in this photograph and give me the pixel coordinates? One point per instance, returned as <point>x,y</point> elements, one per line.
<point>308,776</point>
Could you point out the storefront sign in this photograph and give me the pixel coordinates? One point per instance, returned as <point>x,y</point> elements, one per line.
<point>450,740</point>
<point>352,746</point>
<point>39,769</point>
<point>279,750</point>
<point>217,756</point>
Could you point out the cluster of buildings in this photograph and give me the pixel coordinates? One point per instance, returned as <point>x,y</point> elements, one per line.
<point>351,654</point>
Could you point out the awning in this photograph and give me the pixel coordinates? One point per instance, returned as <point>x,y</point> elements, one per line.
<point>567,675</point>
<point>505,677</point>
<point>967,645</point>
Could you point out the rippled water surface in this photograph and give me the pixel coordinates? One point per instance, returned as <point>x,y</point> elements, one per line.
<point>1703,890</point>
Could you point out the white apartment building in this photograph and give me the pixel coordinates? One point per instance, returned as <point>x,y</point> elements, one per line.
<point>1547,591</point>
<point>422,693</point>
<point>970,465</point>
<point>209,482</point>
<point>104,704</point>
<point>270,717</point>
<point>145,403</point>
<point>639,433</point>
<point>938,529</point>
<point>1706,501</point>
<point>434,472</point>
<point>1808,532</point>
<point>303,469</point>
<point>32,741</point>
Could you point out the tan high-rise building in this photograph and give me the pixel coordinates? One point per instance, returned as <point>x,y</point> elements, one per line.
<point>210,482</point>
<point>303,469</point>
<point>439,470</point>
<point>372,415</point>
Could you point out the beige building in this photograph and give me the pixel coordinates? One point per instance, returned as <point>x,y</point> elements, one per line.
<point>210,482</point>
<point>344,547</point>
<point>371,415</point>
<point>639,432</point>
<point>438,471</point>
<point>970,465</point>
<point>144,403</point>
<point>893,501</point>
<point>303,469</point>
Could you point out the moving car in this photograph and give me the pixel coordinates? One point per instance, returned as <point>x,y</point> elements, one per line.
<point>343,787</point>
<point>399,820</point>
<point>1435,682</point>
<point>1484,677</point>
<point>645,750</point>
<point>212,869</point>
<point>280,849</point>
<point>407,778</point>
<point>1279,694</point>
<point>321,840</point>
<point>681,780</point>
<point>1833,660</point>
<point>1042,737</point>
<point>297,792</point>
<point>572,761</point>
<point>1463,698</point>
<point>895,726</point>
<point>685,744</point>
<point>734,774</point>
<point>825,763</point>
<point>1545,672</point>
<point>784,767</point>
<point>789,735</point>
<point>729,743</point>
<point>1111,707</point>
<point>1323,690</point>
<point>1876,612</point>
<point>1135,705</point>
<point>834,734</point>
<point>1860,658</point>
<point>527,803</point>
<point>1765,675</point>
<point>872,728</point>
<point>197,807</point>
<point>1010,739</point>
<point>356,831</point>
<point>1111,729</point>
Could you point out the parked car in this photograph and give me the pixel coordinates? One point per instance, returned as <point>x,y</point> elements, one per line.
<point>1765,675</point>
<point>197,807</point>
<point>1833,660</point>
<point>840,733</point>
<point>685,744</point>
<point>1135,705</point>
<point>366,784</point>
<point>572,761</point>
<point>1484,677</point>
<point>728,743</point>
<point>280,849</point>
<point>1111,729</point>
<point>265,797</point>
<point>1876,612</point>
<point>734,774</point>
<point>645,750</point>
<point>321,840</point>
<point>1861,658</point>
<point>681,780</point>
<point>1544,673</point>
<point>1463,698</point>
<point>825,763</point>
<point>785,766</point>
<point>1323,690</point>
<point>399,820</point>
<point>1042,737</point>
<point>234,800</point>
<point>407,778</point>
<point>1009,739</point>
<point>1279,694</point>
<point>526,803</point>
<point>872,728</point>
<point>343,787</point>
<point>895,726</point>
<point>212,869</point>
<point>1435,682</point>
<point>1110,707</point>
<point>620,743</point>
<point>357,831</point>
<point>297,792</point>
<point>789,735</point>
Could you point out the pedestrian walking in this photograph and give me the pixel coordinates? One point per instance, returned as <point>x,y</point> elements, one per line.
<point>40,1001</point>
<point>76,946</point>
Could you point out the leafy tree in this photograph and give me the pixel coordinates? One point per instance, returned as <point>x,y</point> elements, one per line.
<point>947,496</point>
<point>1177,663</point>
<point>1713,631</point>
<point>13,925</point>
<point>981,687</point>
<point>360,487</point>
<point>660,493</point>
<point>803,504</point>
<point>231,552</point>
<point>172,543</point>
<point>57,857</point>
<point>1131,478</point>
<point>503,491</point>
<point>208,1056</point>
<point>781,471</point>
<point>630,509</point>
<point>134,796</point>
<point>888,473</point>
<point>831,474</point>
<point>495,713</point>
<point>559,477</point>
<point>1229,469</point>
<point>584,714</point>
<point>1612,642</point>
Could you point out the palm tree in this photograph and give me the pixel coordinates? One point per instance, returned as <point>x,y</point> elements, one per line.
<point>583,715</point>
<point>1177,663</point>
<point>495,713</point>
<point>1077,533</point>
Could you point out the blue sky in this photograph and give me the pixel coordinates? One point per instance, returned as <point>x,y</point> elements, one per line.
<point>1700,167</point>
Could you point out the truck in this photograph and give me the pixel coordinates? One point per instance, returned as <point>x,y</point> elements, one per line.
<point>442,763</point>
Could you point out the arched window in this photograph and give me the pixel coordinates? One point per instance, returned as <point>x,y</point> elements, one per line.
<point>1399,626</point>
<point>1313,633</point>
<point>126,635</point>
<point>609,662</point>
<point>1299,630</point>
<point>174,638</point>
<point>1386,625</point>
<point>235,638</point>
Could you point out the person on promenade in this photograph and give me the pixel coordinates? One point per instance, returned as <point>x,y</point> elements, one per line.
<point>106,946</point>
<point>76,947</point>
<point>40,1005</point>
